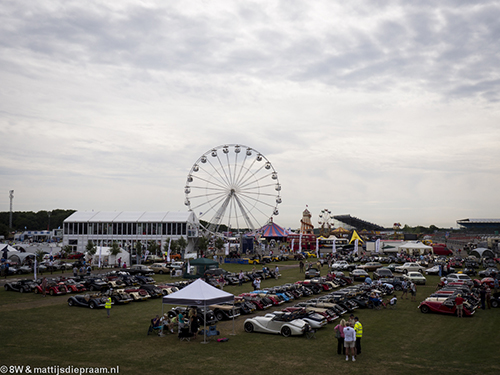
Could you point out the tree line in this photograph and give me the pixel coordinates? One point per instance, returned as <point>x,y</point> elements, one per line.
<point>29,220</point>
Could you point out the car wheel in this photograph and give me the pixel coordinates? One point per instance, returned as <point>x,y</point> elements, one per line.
<point>6,287</point>
<point>92,304</point>
<point>405,272</point>
<point>424,309</point>
<point>421,271</point>
<point>37,291</point>
<point>160,272</point>
<point>21,290</point>
<point>51,292</point>
<point>248,327</point>
<point>219,315</point>
<point>63,268</point>
<point>494,304</point>
<point>171,314</point>
<point>286,331</point>
<point>70,302</point>
<point>91,288</point>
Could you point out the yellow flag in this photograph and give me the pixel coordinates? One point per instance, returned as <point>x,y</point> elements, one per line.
<point>355,236</point>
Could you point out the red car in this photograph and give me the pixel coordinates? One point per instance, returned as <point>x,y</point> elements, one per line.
<point>75,256</point>
<point>444,305</point>
<point>53,288</point>
<point>490,281</point>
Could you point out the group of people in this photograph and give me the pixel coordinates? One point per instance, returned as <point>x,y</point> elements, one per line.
<point>349,336</point>
<point>191,322</point>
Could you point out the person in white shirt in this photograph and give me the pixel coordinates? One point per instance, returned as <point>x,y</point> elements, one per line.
<point>349,341</point>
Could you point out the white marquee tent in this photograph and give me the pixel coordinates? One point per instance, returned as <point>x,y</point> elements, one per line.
<point>414,247</point>
<point>199,293</point>
<point>106,256</point>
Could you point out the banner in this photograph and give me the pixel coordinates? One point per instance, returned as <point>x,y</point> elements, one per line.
<point>168,252</point>
<point>317,247</point>
<point>100,255</point>
<point>292,249</point>
<point>146,255</point>
<point>300,243</point>
<point>356,247</point>
<point>36,268</point>
<point>226,246</point>
<point>188,267</point>
<point>334,249</point>
<point>377,245</point>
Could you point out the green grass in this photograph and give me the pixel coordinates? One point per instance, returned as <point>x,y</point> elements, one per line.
<point>42,332</point>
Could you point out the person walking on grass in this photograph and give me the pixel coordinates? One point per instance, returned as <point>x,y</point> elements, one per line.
<point>350,342</point>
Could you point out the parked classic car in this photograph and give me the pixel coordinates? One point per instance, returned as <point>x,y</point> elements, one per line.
<point>416,277</point>
<point>410,267</point>
<point>381,273</point>
<point>22,286</point>
<point>53,288</point>
<point>459,277</point>
<point>359,274</point>
<point>87,300</point>
<point>140,269</point>
<point>283,324</point>
<point>371,266</point>
<point>312,272</point>
<point>444,305</point>
<point>160,268</point>
<point>223,311</point>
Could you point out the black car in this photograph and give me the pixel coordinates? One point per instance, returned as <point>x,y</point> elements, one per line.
<point>95,283</point>
<point>489,272</point>
<point>396,282</point>
<point>383,272</point>
<point>87,300</point>
<point>140,269</point>
<point>22,286</point>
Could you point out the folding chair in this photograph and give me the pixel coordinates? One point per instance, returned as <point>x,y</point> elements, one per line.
<point>154,329</point>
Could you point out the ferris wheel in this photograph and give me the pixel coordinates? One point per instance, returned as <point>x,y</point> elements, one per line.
<point>233,188</point>
<point>325,222</point>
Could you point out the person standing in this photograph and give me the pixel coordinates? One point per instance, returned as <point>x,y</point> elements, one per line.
<point>350,342</point>
<point>257,283</point>
<point>240,278</point>
<point>488,296</point>
<point>276,272</point>
<point>413,291</point>
<point>109,302</point>
<point>358,327</point>
<point>495,285</point>
<point>339,334</point>
<point>75,271</point>
<point>301,267</point>
<point>404,288</point>
<point>44,286</point>
<point>459,303</point>
<point>482,295</point>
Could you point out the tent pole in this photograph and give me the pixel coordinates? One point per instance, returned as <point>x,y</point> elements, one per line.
<point>233,334</point>
<point>205,323</point>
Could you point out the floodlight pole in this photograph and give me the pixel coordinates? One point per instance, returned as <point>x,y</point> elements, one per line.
<point>11,196</point>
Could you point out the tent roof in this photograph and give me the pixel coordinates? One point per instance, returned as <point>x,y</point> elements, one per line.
<point>414,245</point>
<point>203,262</point>
<point>273,230</point>
<point>482,252</point>
<point>198,293</point>
<point>340,230</point>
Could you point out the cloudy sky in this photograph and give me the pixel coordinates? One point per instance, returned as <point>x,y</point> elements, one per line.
<point>385,110</point>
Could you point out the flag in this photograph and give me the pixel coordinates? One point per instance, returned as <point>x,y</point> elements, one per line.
<point>355,236</point>
<point>36,266</point>
<point>356,246</point>
<point>377,245</point>
<point>226,246</point>
<point>293,240</point>
<point>168,252</point>
<point>300,243</point>
<point>317,247</point>
<point>188,267</point>
<point>334,250</point>
<point>146,253</point>
<point>100,254</point>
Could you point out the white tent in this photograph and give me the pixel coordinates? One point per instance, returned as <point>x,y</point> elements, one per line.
<point>107,258</point>
<point>413,247</point>
<point>481,252</point>
<point>199,293</point>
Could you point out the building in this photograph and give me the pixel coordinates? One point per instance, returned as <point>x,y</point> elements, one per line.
<point>127,228</point>
<point>480,225</point>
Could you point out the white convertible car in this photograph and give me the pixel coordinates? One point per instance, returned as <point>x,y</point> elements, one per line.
<point>283,324</point>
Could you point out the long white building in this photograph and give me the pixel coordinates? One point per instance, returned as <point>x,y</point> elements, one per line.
<point>129,227</point>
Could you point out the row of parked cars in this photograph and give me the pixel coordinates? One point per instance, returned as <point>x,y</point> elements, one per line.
<point>314,313</point>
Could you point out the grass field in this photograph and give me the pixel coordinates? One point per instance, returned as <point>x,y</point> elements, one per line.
<point>39,331</point>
